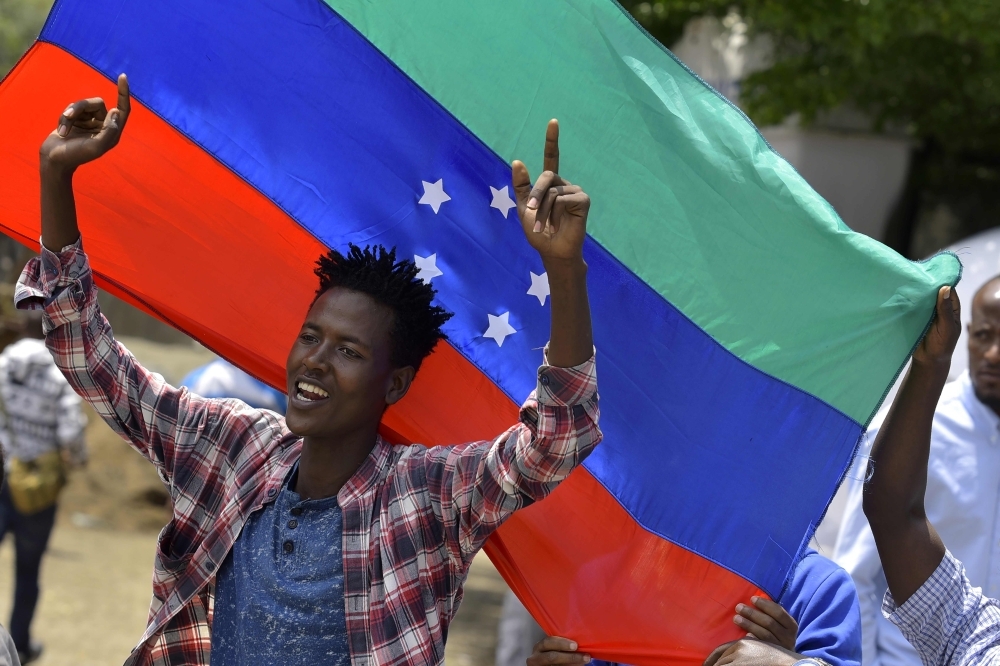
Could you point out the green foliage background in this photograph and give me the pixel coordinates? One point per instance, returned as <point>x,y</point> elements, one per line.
<point>20,23</point>
<point>932,67</point>
<point>929,67</point>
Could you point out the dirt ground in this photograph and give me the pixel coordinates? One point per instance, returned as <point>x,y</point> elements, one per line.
<point>96,575</point>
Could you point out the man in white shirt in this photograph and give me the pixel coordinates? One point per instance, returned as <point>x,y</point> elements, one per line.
<point>963,489</point>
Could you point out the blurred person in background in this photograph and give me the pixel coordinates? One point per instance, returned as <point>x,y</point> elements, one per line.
<point>8,652</point>
<point>222,379</point>
<point>963,488</point>
<point>41,434</point>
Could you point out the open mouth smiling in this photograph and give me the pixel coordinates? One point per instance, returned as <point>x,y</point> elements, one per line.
<point>309,392</point>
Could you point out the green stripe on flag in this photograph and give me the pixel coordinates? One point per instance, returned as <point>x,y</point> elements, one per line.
<point>685,191</point>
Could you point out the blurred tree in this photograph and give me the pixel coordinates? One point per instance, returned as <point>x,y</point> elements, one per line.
<point>20,23</point>
<point>930,68</point>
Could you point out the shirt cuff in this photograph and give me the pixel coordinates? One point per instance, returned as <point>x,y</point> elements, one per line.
<point>561,387</point>
<point>58,283</point>
<point>926,601</point>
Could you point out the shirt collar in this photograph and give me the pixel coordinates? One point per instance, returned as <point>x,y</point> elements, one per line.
<point>366,475</point>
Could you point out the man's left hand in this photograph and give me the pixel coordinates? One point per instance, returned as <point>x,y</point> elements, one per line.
<point>751,652</point>
<point>939,343</point>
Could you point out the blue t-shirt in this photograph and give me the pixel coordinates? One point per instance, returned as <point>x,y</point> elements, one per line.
<point>823,600</point>
<point>279,594</point>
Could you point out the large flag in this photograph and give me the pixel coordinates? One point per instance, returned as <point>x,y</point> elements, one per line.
<point>745,335</point>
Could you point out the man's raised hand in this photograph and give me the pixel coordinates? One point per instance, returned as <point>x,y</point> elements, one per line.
<point>86,130</point>
<point>553,212</point>
<point>939,343</point>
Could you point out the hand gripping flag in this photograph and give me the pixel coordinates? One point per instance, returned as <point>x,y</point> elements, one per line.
<point>746,335</point>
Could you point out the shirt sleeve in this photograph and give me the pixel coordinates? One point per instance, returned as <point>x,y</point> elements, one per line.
<point>948,621</point>
<point>830,622</point>
<point>478,486</point>
<point>139,405</point>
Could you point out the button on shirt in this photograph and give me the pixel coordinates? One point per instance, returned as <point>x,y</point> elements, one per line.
<point>279,594</point>
<point>962,501</point>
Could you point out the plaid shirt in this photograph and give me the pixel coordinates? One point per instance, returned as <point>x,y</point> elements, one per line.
<point>413,516</point>
<point>948,621</point>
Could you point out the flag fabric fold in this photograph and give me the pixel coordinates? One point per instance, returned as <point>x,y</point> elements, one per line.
<point>746,334</point>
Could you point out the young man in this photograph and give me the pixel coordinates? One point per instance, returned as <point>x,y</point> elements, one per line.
<point>309,540</point>
<point>822,622</point>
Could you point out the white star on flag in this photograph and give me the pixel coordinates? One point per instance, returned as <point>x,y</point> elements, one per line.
<point>501,200</point>
<point>434,194</point>
<point>499,328</point>
<point>428,267</point>
<point>539,286</point>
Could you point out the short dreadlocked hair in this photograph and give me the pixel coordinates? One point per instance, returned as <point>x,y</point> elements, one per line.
<point>374,271</point>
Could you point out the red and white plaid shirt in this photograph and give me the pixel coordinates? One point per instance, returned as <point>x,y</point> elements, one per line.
<point>413,516</point>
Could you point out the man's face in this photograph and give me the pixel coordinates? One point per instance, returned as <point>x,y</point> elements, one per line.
<point>984,345</point>
<point>340,376</point>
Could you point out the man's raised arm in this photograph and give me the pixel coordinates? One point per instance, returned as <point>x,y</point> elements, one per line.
<point>139,405</point>
<point>553,214</point>
<point>480,486</point>
<point>908,545</point>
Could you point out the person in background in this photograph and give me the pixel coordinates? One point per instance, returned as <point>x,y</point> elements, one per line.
<point>822,624</point>
<point>222,379</point>
<point>929,597</point>
<point>41,433</point>
<point>963,487</point>
<point>8,651</point>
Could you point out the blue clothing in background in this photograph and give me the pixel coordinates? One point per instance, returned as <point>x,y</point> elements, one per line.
<point>222,379</point>
<point>279,594</point>
<point>822,599</point>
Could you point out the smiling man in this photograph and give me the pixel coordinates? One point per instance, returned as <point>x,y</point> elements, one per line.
<point>308,539</point>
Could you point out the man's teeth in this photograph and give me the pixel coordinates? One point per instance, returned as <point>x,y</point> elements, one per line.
<point>306,387</point>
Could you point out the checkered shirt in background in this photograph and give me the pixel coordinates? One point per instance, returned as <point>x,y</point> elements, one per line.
<point>948,621</point>
<point>414,517</point>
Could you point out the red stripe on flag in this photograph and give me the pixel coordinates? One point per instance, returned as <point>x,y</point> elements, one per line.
<point>606,567</point>
<point>219,261</point>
